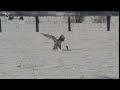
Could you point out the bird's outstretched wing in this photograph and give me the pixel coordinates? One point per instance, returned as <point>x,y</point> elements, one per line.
<point>6,14</point>
<point>50,36</point>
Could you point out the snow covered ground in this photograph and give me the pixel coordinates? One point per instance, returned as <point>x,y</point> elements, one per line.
<point>26,54</point>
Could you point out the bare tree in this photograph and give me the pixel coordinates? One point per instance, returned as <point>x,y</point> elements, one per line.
<point>77,19</point>
<point>21,18</point>
<point>100,19</point>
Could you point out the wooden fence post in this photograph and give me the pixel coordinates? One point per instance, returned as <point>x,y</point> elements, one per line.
<point>108,23</point>
<point>37,24</point>
<point>0,26</point>
<point>69,24</point>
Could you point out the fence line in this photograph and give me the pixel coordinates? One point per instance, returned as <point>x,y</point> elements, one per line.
<point>48,22</point>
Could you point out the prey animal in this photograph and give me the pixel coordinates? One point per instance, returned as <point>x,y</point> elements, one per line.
<point>57,42</point>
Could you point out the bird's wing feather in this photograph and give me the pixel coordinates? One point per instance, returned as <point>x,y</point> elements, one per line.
<point>50,36</point>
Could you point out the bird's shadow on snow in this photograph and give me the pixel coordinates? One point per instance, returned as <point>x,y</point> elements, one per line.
<point>71,49</point>
<point>76,49</point>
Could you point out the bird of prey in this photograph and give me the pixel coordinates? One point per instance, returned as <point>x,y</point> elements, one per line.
<point>6,14</point>
<point>56,41</point>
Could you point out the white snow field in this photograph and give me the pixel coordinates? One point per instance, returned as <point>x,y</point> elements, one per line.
<point>26,54</point>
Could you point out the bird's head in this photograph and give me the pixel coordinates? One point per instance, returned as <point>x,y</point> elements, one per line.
<point>62,38</point>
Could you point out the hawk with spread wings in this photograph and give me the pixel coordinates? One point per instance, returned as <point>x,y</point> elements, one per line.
<point>56,41</point>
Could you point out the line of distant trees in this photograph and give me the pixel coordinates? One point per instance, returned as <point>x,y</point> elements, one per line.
<point>100,19</point>
<point>79,19</point>
<point>96,19</point>
<point>20,18</point>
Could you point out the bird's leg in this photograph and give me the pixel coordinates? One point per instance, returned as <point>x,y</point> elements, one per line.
<point>59,46</point>
<point>55,46</point>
